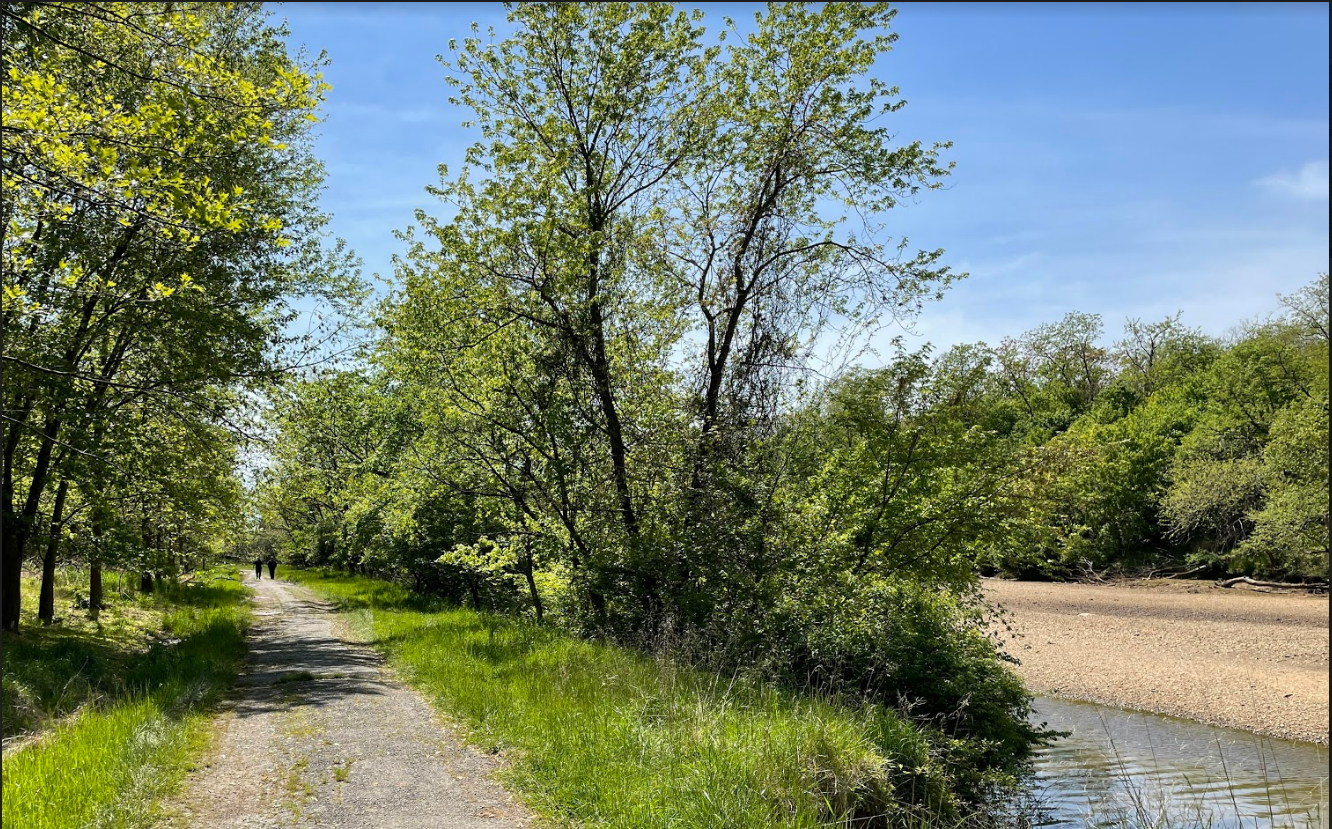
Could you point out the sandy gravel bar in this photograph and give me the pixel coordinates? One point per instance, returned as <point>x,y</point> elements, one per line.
<point>1257,661</point>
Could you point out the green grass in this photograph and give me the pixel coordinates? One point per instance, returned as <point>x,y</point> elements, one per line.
<point>50,671</point>
<point>114,714</point>
<point>603,736</point>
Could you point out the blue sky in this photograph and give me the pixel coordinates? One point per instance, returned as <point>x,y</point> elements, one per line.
<point>1127,161</point>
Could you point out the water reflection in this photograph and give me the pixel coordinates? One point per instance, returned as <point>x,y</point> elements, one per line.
<point>1127,768</point>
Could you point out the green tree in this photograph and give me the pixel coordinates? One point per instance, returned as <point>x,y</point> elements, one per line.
<point>157,205</point>
<point>646,197</point>
<point>1250,483</point>
<point>1056,371</point>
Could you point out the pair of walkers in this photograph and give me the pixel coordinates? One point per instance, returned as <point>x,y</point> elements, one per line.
<point>259,567</point>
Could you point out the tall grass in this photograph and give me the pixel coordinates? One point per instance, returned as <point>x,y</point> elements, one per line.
<point>142,706</point>
<point>1142,807</point>
<point>610,737</point>
<point>50,671</point>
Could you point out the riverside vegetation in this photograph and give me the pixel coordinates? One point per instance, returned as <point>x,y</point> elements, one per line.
<point>598,394</point>
<point>607,736</point>
<point>615,390</point>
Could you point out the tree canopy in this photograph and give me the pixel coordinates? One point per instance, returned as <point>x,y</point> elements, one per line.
<point>158,227</point>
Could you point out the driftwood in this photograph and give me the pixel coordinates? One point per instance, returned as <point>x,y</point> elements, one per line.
<point>1198,569</point>
<point>1089,573</point>
<point>1165,573</point>
<point>1277,584</point>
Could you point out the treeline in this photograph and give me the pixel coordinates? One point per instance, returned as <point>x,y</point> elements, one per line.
<point>157,229</point>
<point>1171,452</point>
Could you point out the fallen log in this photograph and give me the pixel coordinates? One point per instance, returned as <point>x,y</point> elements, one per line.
<point>1166,574</point>
<point>1284,585</point>
<point>1198,569</point>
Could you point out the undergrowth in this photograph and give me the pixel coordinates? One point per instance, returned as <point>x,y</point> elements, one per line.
<point>605,736</point>
<point>106,717</point>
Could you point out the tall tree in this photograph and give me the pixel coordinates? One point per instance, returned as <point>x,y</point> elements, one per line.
<point>157,206</point>
<point>653,208</point>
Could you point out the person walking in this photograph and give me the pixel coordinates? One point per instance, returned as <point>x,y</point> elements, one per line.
<point>258,568</point>
<point>272,567</point>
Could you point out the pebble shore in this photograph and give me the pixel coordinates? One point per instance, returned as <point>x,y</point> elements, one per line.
<point>1231,657</point>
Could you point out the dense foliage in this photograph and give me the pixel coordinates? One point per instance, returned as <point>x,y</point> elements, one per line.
<point>1195,454</point>
<point>157,228</point>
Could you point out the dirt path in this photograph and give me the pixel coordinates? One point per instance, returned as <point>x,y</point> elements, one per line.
<point>1241,659</point>
<point>320,736</point>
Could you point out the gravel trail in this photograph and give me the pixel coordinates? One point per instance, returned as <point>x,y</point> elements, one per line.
<point>1227,657</point>
<point>319,735</point>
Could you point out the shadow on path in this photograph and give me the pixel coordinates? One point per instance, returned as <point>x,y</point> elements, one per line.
<point>319,734</point>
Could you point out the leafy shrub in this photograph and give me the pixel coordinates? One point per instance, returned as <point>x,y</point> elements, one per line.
<point>922,650</point>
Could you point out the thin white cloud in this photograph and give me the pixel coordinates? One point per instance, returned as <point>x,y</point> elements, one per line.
<point>1015,264</point>
<point>1310,182</point>
<point>377,114</point>
<point>1021,236</point>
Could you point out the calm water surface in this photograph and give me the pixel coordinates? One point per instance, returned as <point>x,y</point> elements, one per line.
<point>1121,768</point>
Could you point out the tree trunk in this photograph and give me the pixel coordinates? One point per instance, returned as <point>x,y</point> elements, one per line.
<point>95,590</point>
<point>46,603</point>
<point>649,584</point>
<point>11,546</point>
<point>531,584</point>
<point>11,570</point>
<point>18,527</point>
<point>476,593</point>
<point>614,429</point>
<point>95,573</point>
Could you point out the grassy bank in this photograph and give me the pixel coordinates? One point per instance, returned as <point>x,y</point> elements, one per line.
<point>609,737</point>
<point>107,717</point>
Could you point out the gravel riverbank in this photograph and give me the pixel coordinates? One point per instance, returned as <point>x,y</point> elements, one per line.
<point>1243,659</point>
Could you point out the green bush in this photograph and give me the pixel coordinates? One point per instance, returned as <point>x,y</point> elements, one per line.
<point>922,650</point>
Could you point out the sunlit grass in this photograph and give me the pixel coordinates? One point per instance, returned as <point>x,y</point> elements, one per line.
<point>49,671</point>
<point>141,689</point>
<point>610,737</point>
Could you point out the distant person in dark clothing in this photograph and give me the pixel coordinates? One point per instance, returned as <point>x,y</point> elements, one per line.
<point>258,568</point>
<point>272,567</point>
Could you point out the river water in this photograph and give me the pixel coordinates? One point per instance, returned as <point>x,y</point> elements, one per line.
<point>1128,768</point>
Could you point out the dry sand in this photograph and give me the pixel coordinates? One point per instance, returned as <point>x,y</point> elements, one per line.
<point>1239,658</point>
